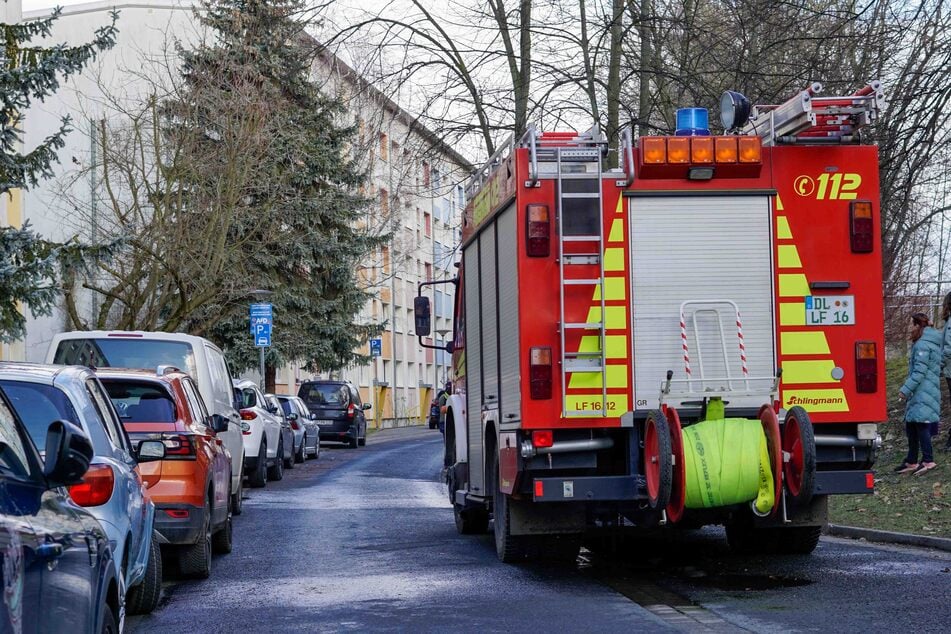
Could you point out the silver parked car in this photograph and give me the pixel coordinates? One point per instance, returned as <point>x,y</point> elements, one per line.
<point>112,489</point>
<point>287,432</point>
<point>304,424</point>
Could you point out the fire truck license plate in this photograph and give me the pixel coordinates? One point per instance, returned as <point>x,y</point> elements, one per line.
<point>830,310</point>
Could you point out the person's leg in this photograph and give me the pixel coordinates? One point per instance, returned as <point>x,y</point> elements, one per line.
<point>911,430</point>
<point>947,444</point>
<point>924,436</point>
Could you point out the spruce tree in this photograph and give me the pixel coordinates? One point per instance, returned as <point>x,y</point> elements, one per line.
<point>30,264</point>
<point>305,180</point>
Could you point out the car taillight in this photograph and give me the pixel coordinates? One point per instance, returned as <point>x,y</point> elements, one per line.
<point>861,227</point>
<point>248,414</point>
<point>539,371</point>
<point>538,235</point>
<point>866,367</point>
<point>178,446</point>
<point>294,425</point>
<point>178,514</point>
<point>96,487</point>
<point>542,438</point>
<point>351,411</point>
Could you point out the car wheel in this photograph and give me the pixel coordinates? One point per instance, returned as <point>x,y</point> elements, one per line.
<point>301,454</point>
<point>143,598</point>
<point>109,624</point>
<point>259,476</point>
<point>317,448</point>
<point>289,462</point>
<point>363,440</point>
<point>276,472</point>
<point>221,542</point>
<point>195,560</point>
<point>237,501</point>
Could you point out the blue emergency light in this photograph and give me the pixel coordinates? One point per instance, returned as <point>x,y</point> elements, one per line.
<point>692,122</point>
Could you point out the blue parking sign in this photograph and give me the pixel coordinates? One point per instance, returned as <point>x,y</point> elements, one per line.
<point>376,347</point>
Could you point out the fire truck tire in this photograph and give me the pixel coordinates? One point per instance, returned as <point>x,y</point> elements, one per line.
<point>799,441</point>
<point>678,490</point>
<point>470,521</point>
<point>658,470</point>
<point>509,548</point>
<point>770,423</point>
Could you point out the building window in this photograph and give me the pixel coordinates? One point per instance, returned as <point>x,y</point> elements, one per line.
<point>428,224</point>
<point>386,259</point>
<point>437,178</point>
<point>384,146</point>
<point>425,174</point>
<point>385,201</point>
<point>429,272</point>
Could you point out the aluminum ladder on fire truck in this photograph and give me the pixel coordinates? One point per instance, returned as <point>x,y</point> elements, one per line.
<point>580,231</point>
<point>695,389</point>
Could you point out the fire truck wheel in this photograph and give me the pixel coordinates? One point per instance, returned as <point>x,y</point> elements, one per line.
<point>743,537</point>
<point>799,442</point>
<point>470,521</point>
<point>678,491</point>
<point>658,470</point>
<point>770,423</point>
<point>509,548</point>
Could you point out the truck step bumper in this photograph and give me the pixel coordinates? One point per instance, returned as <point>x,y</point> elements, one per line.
<point>844,482</point>
<point>587,488</point>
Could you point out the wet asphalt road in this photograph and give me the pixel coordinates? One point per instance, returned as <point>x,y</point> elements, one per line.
<point>363,540</point>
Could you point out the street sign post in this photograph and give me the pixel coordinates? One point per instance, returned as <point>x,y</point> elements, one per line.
<point>262,318</point>
<point>376,348</point>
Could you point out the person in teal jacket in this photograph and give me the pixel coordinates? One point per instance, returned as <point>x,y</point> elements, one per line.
<point>922,391</point>
<point>946,353</point>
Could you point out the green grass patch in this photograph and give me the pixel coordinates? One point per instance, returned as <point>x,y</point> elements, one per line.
<point>904,503</point>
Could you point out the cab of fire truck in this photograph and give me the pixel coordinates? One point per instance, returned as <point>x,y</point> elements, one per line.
<point>694,337</point>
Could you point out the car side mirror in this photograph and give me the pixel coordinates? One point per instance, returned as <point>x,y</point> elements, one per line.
<point>218,423</point>
<point>292,416</point>
<point>150,451</point>
<point>313,416</point>
<point>422,312</point>
<point>68,454</point>
<point>366,406</point>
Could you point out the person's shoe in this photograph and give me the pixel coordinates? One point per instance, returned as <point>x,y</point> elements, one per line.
<point>906,468</point>
<point>925,467</point>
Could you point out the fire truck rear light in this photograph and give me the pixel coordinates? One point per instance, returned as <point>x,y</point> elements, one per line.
<point>540,373</point>
<point>538,235</point>
<point>866,367</point>
<point>869,480</point>
<point>654,150</point>
<point>726,149</point>
<point>861,227</point>
<point>539,488</point>
<point>678,150</point>
<point>543,438</point>
<point>701,150</point>
<point>750,149</point>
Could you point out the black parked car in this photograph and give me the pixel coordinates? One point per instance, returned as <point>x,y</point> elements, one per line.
<point>58,573</point>
<point>339,411</point>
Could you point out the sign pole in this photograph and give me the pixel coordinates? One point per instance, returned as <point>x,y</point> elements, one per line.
<point>261,358</point>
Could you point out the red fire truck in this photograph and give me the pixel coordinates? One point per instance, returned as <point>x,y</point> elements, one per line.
<point>600,312</point>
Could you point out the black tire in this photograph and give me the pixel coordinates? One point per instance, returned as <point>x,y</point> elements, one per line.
<point>796,540</point>
<point>195,560</point>
<point>474,521</point>
<point>276,472</point>
<point>221,541</point>
<point>301,454</point>
<point>258,477</point>
<point>237,498</point>
<point>509,548</point>
<point>109,623</point>
<point>143,598</point>
<point>289,462</point>
<point>354,442</point>
<point>363,440</point>
<point>665,470</point>
<point>807,455</point>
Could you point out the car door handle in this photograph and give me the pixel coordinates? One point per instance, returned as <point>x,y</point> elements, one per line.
<point>49,551</point>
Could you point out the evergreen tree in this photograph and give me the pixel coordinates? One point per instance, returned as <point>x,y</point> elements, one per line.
<point>304,180</point>
<point>30,264</point>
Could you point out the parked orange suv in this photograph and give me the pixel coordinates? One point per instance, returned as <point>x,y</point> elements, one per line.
<point>191,488</point>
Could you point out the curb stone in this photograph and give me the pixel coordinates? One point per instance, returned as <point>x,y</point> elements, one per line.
<point>889,537</point>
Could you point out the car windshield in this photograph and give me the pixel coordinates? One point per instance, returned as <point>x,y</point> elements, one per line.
<point>139,402</point>
<point>126,352</point>
<point>12,452</point>
<point>325,394</point>
<point>39,405</point>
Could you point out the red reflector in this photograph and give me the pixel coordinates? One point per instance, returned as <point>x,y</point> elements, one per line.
<point>542,438</point>
<point>539,488</point>
<point>866,367</point>
<point>538,235</point>
<point>861,227</point>
<point>96,487</point>
<point>248,414</point>
<point>539,371</point>
<point>869,480</point>
<point>178,514</point>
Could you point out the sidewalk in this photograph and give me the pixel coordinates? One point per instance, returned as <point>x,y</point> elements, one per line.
<point>889,537</point>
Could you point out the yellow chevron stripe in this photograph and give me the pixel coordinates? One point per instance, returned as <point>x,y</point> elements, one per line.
<point>779,203</point>
<point>615,317</point>
<point>614,289</point>
<point>793,285</point>
<point>799,372</point>
<point>620,205</point>
<point>792,314</point>
<point>615,346</point>
<point>617,231</point>
<point>789,257</point>
<point>617,377</point>
<point>614,259</point>
<point>812,342</point>
<point>833,400</point>
<point>782,228</point>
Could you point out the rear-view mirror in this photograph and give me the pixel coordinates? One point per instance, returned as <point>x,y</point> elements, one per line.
<point>313,416</point>
<point>422,312</point>
<point>151,450</point>
<point>68,453</point>
<point>366,406</point>
<point>292,416</point>
<point>218,423</point>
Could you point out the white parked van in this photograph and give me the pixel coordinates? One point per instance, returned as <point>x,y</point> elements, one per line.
<point>146,351</point>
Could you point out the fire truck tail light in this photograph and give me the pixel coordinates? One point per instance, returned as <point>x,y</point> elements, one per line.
<point>861,227</point>
<point>654,149</point>
<point>538,235</point>
<point>701,150</point>
<point>866,367</point>
<point>726,149</point>
<point>543,438</point>
<point>750,149</point>
<point>678,150</point>
<point>540,373</point>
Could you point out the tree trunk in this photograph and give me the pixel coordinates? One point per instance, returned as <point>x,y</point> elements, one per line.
<point>270,376</point>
